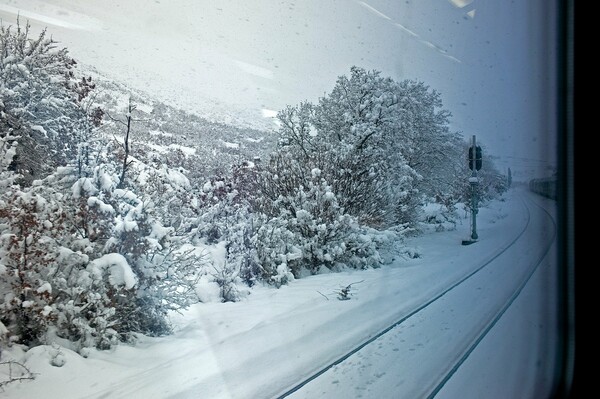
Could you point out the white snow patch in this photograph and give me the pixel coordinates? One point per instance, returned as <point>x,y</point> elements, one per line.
<point>27,304</point>
<point>329,196</point>
<point>184,149</point>
<point>208,290</point>
<point>160,133</point>
<point>3,329</point>
<point>227,144</point>
<point>161,149</point>
<point>46,287</point>
<point>178,178</point>
<point>147,108</point>
<point>120,272</point>
<point>159,231</point>
<point>102,206</point>
<point>40,129</point>
<point>218,254</point>
<point>268,113</point>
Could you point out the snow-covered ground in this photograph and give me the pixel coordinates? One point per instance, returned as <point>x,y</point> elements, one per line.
<point>275,338</point>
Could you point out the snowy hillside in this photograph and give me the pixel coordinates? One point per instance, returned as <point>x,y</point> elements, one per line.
<point>172,135</point>
<point>227,61</point>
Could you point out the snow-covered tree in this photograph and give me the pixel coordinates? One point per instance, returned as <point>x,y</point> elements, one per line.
<point>40,104</point>
<point>429,146</point>
<point>360,121</point>
<point>92,264</point>
<point>132,227</point>
<point>355,160</point>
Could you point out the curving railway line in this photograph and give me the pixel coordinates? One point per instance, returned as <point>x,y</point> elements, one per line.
<point>476,303</point>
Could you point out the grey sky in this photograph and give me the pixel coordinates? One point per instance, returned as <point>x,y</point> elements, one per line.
<point>501,90</point>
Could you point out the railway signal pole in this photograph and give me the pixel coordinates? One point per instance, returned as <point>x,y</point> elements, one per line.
<point>475,163</point>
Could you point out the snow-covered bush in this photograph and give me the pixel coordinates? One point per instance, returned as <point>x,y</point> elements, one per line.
<point>306,231</point>
<point>47,281</point>
<point>164,275</point>
<point>90,264</point>
<point>439,216</point>
<point>81,260</point>
<point>28,256</point>
<point>227,222</point>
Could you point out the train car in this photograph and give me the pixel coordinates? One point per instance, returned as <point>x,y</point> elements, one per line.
<point>545,187</point>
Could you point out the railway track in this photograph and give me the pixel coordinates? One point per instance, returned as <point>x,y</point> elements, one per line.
<point>484,327</point>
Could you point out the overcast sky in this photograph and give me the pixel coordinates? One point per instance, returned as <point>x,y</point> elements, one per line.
<point>240,61</point>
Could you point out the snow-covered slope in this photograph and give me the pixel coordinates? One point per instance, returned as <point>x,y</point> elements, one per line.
<point>162,132</point>
<point>229,61</point>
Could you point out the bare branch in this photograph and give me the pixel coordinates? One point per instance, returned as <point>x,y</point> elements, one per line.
<point>323,295</point>
<point>25,374</point>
